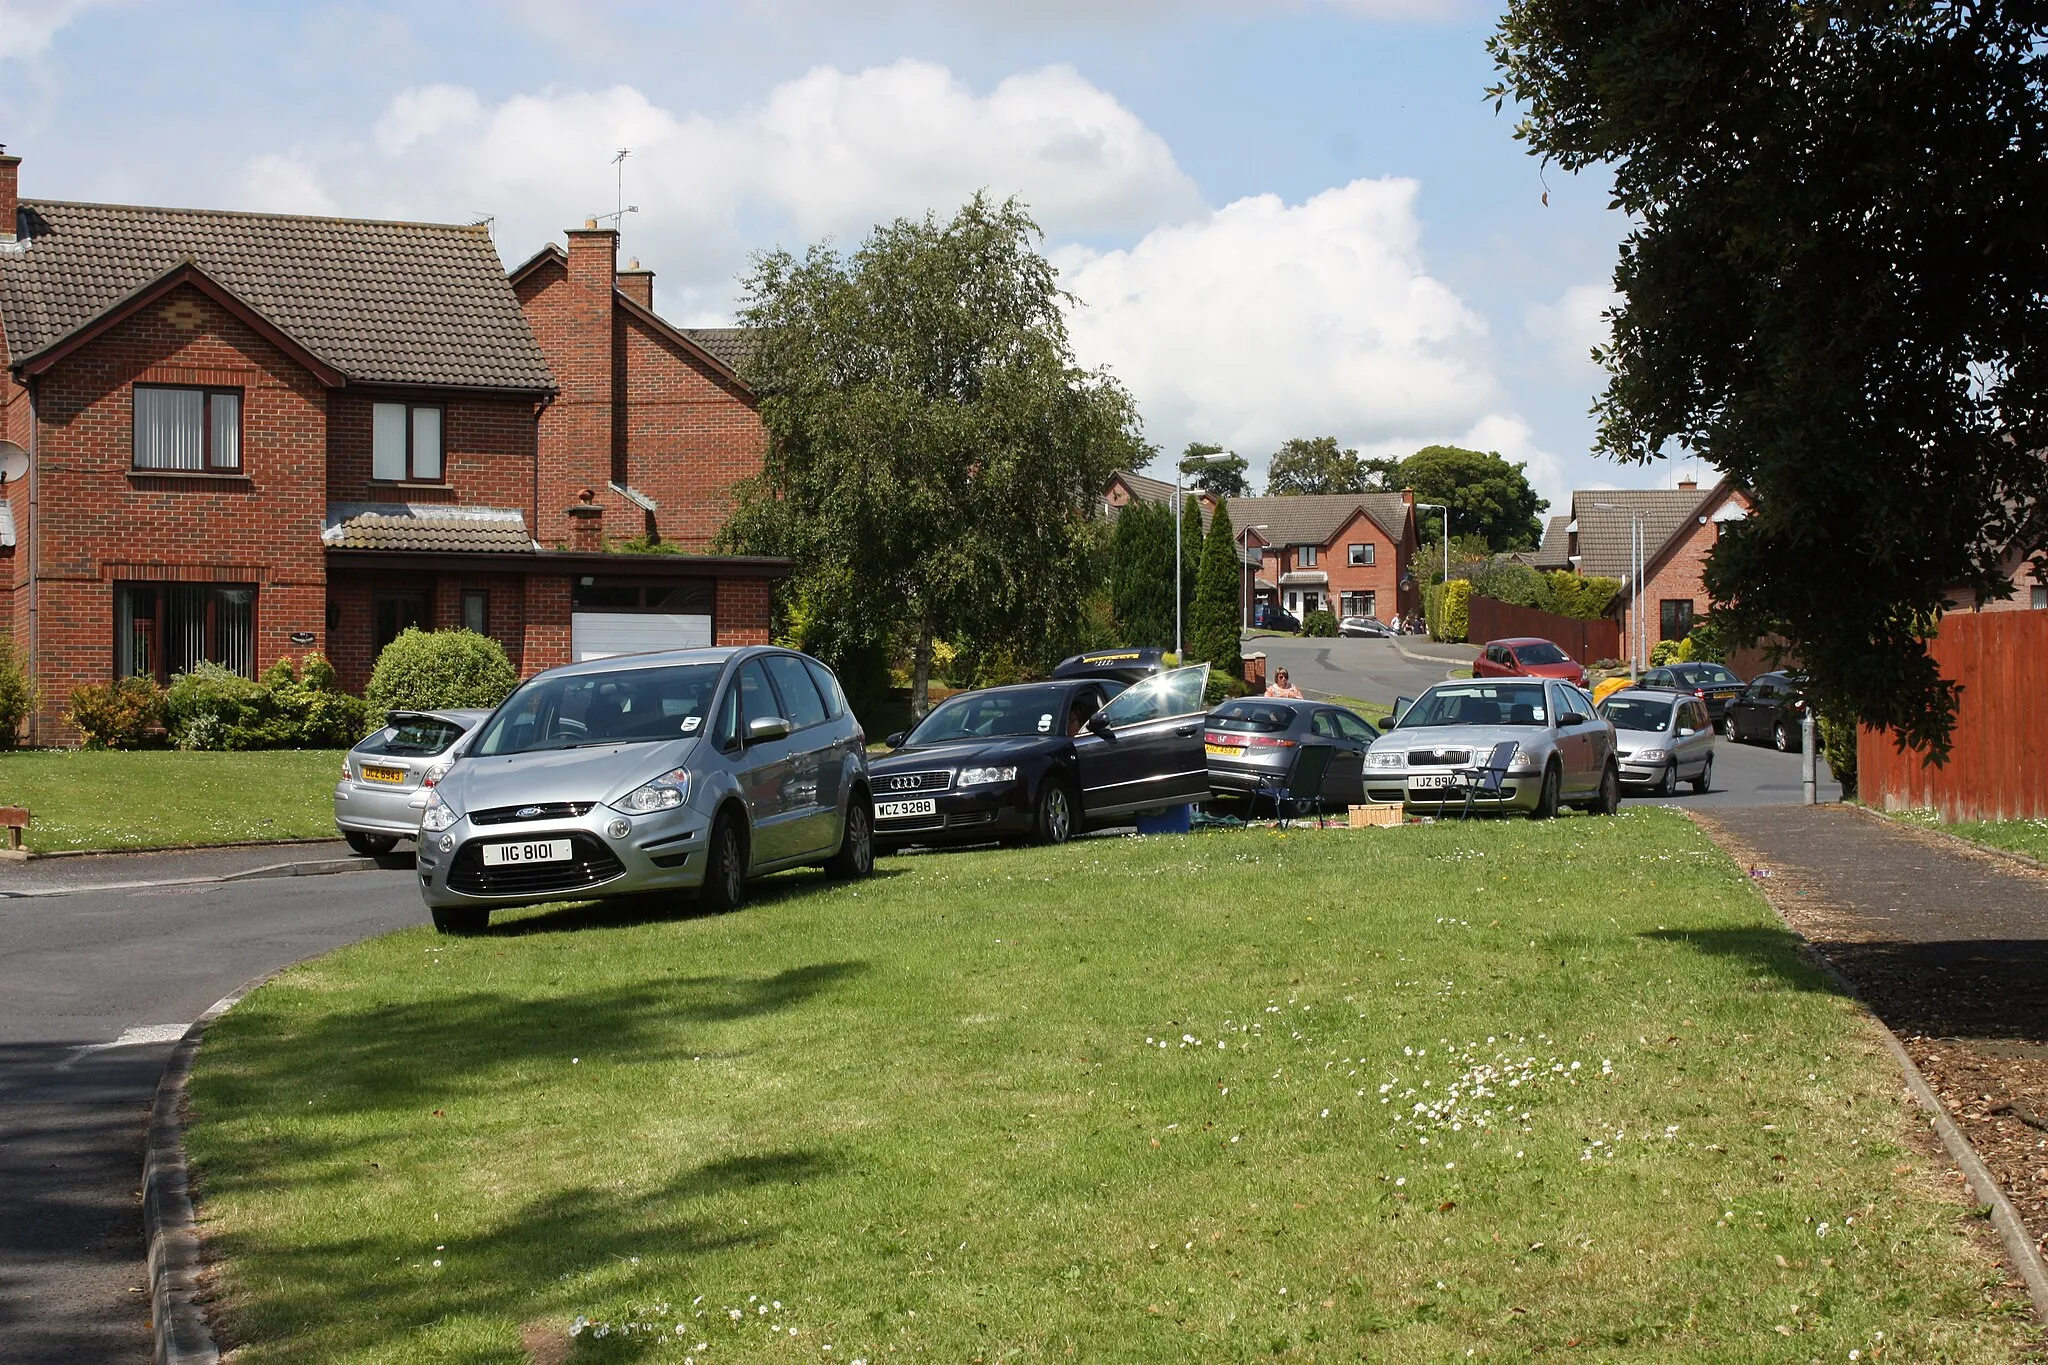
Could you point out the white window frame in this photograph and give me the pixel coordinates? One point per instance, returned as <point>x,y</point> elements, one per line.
<point>1362,554</point>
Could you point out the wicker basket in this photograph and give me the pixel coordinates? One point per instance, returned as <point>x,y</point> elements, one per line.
<point>1375,814</point>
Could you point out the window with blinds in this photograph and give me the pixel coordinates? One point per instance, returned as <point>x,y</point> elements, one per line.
<point>188,430</point>
<point>161,629</point>
<point>405,443</point>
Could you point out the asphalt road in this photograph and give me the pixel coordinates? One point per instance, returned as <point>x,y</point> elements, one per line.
<point>79,974</point>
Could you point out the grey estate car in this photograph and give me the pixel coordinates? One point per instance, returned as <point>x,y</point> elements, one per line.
<point>688,770</point>
<point>385,778</point>
<point>1563,755</point>
<point>1661,739</point>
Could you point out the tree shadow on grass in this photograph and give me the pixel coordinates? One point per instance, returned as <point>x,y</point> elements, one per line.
<point>625,912</point>
<point>556,1254</point>
<point>1771,951</point>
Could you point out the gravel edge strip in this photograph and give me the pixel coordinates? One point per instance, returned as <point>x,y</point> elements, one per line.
<point>2019,1246</point>
<point>178,1324</point>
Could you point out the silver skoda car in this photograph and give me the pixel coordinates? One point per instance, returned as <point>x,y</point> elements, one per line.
<point>386,777</point>
<point>691,770</point>
<point>1562,751</point>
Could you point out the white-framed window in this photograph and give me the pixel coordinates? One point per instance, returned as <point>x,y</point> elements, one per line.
<point>1360,603</point>
<point>187,429</point>
<point>1307,554</point>
<point>405,442</point>
<point>1361,555</point>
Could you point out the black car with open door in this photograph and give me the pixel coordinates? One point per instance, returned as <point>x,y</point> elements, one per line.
<point>1041,762</point>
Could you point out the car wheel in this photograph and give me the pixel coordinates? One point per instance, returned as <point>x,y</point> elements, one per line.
<point>725,868</point>
<point>1728,728</point>
<point>461,919</point>
<point>371,845</point>
<point>1667,785</point>
<point>1610,791</point>
<point>1054,821</point>
<point>1546,796</point>
<point>1705,781</point>
<point>856,856</point>
<point>1782,739</point>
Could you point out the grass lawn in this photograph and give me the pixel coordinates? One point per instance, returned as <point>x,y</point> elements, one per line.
<point>1435,1093</point>
<point>116,799</point>
<point>2020,836</point>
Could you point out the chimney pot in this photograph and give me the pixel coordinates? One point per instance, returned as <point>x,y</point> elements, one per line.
<point>1688,484</point>
<point>587,495</point>
<point>590,224</point>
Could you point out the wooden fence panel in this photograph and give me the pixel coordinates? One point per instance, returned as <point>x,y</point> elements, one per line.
<point>1998,766</point>
<point>1587,641</point>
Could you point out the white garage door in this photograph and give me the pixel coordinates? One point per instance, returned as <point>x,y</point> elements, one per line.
<point>602,634</point>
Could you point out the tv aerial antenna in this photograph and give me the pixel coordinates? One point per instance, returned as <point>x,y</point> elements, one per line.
<point>621,208</point>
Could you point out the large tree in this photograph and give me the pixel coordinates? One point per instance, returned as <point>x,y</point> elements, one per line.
<point>1213,626</point>
<point>1223,479</point>
<point>1317,464</point>
<point>1833,288</point>
<point>934,453</point>
<point>1488,496</point>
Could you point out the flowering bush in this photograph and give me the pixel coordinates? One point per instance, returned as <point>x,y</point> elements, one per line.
<point>121,715</point>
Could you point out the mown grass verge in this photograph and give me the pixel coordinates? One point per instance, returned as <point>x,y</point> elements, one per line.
<point>2019,836</point>
<point>1434,1093</point>
<point>119,799</point>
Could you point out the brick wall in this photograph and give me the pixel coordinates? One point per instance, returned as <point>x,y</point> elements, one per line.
<point>547,640</point>
<point>690,435</point>
<point>102,521</point>
<point>742,611</point>
<point>571,309</point>
<point>488,445</point>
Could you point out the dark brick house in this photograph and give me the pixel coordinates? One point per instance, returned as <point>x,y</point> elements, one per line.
<point>253,435</point>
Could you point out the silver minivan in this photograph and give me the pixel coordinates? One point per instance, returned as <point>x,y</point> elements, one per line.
<point>685,771</point>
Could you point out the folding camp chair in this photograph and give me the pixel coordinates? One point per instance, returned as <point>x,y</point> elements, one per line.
<point>1303,783</point>
<point>1487,776</point>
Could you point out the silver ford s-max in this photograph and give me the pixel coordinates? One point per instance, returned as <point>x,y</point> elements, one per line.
<point>690,770</point>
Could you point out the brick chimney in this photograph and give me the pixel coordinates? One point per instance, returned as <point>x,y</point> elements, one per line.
<point>581,425</point>
<point>1408,497</point>
<point>1688,484</point>
<point>637,284</point>
<point>586,524</point>
<point>10,193</point>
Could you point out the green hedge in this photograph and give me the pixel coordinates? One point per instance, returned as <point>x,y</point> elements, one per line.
<point>425,670</point>
<point>1447,608</point>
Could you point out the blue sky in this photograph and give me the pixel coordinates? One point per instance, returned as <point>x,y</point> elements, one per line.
<point>1284,217</point>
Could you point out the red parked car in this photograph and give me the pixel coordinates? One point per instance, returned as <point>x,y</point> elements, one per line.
<point>1527,658</point>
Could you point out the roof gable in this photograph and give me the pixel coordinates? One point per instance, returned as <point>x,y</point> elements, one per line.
<point>379,302</point>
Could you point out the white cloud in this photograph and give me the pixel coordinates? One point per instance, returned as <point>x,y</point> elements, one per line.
<point>1268,320</point>
<point>27,26</point>
<point>827,153</point>
<point>1515,439</point>
<point>1573,325</point>
<point>279,184</point>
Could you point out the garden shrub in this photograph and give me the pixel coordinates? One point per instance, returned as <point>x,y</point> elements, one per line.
<point>1582,599</point>
<point>120,715</point>
<point>1511,581</point>
<point>422,670</point>
<point>17,694</point>
<point>1221,687</point>
<point>1706,643</point>
<point>1838,747</point>
<point>1319,623</point>
<point>1448,609</point>
<point>1664,652</point>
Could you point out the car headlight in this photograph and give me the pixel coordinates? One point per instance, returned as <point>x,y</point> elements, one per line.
<point>1385,758</point>
<point>1521,759</point>
<point>666,792</point>
<point>437,815</point>
<point>981,777</point>
<point>1652,755</point>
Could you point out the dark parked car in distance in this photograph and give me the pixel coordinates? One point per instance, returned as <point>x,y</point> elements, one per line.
<point>1770,708</point>
<point>1527,657</point>
<point>1713,684</point>
<point>1043,761</point>
<point>1253,743</point>
<point>1271,616</point>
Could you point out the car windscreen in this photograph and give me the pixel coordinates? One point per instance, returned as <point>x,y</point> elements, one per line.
<point>1542,652</point>
<point>1263,717</point>
<point>626,706</point>
<point>1477,703</point>
<point>1706,673</point>
<point>413,737</point>
<point>1636,713</point>
<point>991,715</point>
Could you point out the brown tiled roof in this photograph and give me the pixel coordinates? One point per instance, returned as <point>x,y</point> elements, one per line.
<point>390,302</point>
<point>729,346</point>
<point>1604,534</point>
<point>1555,551</point>
<point>1313,518</point>
<point>409,526</point>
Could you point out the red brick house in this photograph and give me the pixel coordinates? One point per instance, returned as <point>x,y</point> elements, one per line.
<point>1345,553</point>
<point>253,435</point>
<point>1680,526</point>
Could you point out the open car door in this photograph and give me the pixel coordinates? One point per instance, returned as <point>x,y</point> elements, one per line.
<point>1144,749</point>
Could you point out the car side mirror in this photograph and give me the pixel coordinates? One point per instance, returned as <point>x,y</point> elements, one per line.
<point>895,741</point>
<point>1385,722</point>
<point>1569,719</point>
<point>1097,725</point>
<point>1685,730</point>
<point>765,728</point>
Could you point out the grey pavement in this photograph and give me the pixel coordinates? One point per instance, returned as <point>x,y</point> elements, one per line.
<point>41,876</point>
<point>94,988</point>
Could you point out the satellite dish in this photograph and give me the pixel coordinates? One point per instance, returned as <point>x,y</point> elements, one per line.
<point>13,462</point>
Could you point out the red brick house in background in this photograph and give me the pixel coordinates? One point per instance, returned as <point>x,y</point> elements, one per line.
<point>1680,526</point>
<point>1345,553</point>
<point>253,435</point>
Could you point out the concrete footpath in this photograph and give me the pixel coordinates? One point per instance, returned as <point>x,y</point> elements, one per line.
<point>113,871</point>
<point>1948,946</point>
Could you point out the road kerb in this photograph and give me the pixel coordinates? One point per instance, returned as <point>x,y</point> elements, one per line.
<point>325,867</point>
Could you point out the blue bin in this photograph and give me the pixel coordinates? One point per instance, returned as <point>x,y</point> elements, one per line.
<point>1169,820</point>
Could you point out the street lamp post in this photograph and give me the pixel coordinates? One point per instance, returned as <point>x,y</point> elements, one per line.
<point>1245,538</point>
<point>1636,642</point>
<point>1181,467</point>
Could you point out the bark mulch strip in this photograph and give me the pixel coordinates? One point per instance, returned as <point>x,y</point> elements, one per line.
<point>1946,944</point>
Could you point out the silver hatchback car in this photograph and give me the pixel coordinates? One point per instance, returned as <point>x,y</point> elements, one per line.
<point>1663,738</point>
<point>385,778</point>
<point>690,770</point>
<point>1562,754</point>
